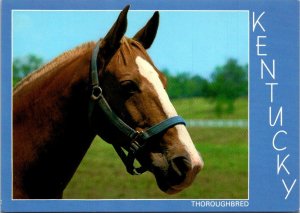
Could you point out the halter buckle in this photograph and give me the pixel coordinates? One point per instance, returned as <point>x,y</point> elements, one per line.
<point>134,145</point>
<point>96,93</point>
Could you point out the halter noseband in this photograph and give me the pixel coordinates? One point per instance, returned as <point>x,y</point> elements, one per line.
<point>137,139</point>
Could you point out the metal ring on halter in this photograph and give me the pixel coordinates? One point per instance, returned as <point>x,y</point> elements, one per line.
<point>96,92</point>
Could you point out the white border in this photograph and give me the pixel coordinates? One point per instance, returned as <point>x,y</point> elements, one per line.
<point>132,10</point>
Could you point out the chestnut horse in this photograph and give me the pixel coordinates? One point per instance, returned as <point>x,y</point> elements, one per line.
<point>112,89</point>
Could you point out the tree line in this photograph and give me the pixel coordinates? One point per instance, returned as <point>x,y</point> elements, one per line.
<point>226,83</point>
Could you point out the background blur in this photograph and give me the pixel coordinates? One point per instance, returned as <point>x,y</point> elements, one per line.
<point>204,55</point>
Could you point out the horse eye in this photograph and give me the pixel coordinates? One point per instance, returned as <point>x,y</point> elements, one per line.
<point>129,87</point>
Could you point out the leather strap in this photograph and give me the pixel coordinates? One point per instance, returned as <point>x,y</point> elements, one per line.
<point>164,125</point>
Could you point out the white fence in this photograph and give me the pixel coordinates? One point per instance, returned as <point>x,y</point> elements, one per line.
<point>217,123</point>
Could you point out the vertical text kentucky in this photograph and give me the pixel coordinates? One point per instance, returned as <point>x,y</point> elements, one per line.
<point>276,108</point>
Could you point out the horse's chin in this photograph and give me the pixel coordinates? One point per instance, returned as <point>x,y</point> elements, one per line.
<point>171,191</point>
<point>171,184</point>
<point>165,187</point>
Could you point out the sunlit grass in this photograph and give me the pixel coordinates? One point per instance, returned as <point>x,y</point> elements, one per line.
<point>225,175</point>
<point>200,108</point>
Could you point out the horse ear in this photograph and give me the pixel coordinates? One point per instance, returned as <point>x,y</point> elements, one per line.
<point>112,40</point>
<point>147,34</point>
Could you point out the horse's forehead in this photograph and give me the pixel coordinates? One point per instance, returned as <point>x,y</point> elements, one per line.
<point>124,60</point>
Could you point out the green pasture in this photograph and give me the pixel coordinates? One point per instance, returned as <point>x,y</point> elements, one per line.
<point>102,175</point>
<point>201,108</point>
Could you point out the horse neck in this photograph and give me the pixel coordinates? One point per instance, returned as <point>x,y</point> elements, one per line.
<point>54,128</point>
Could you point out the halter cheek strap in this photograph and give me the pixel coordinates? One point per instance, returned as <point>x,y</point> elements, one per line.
<point>137,139</point>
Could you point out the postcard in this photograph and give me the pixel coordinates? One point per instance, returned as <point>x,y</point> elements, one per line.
<point>150,106</point>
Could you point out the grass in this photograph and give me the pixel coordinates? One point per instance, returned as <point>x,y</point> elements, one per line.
<point>102,175</point>
<point>200,108</point>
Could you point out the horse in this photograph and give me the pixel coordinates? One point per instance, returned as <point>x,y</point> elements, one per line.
<point>109,88</point>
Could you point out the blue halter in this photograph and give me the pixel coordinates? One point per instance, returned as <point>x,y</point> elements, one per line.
<point>137,139</point>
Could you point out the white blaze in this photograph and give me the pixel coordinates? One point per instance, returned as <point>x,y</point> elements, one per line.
<point>147,71</point>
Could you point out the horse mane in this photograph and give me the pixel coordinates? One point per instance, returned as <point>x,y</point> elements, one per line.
<point>125,51</point>
<point>56,62</point>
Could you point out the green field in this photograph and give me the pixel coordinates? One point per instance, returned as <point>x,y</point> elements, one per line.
<point>102,175</point>
<point>200,108</point>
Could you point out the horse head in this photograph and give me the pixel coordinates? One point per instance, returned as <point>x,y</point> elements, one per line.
<point>134,90</point>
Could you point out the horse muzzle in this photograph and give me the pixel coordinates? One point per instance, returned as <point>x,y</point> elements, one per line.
<point>172,176</point>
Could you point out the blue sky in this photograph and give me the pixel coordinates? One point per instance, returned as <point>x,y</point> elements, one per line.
<point>187,41</point>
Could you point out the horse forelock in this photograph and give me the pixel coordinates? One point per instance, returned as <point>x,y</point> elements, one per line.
<point>128,51</point>
<point>54,64</point>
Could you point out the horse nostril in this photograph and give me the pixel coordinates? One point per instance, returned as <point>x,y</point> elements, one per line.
<point>181,165</point>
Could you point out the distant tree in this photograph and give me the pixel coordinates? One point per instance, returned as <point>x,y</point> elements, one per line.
<point>183,85</point>
<point>228,82</point>
<point>198,86</point>
<point>23,66</point>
